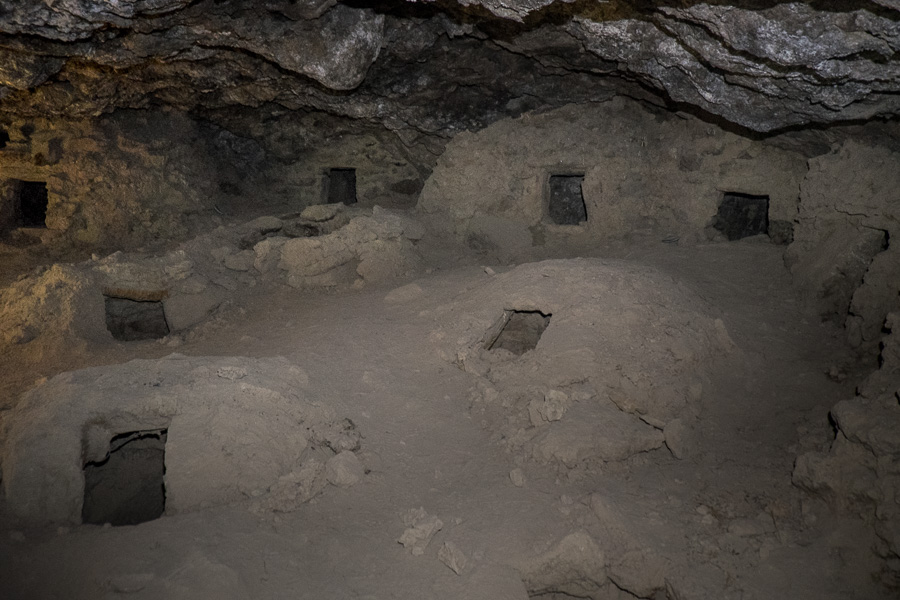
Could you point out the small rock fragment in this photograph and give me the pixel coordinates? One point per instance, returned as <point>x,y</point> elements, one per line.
<point>321,212</point>
<point>517,476</point>
<point>344,469</point>
<point>552,408</point>
<point>453,557</point>
<point>241,261</point>
<point>421,527</point>
<point>675,437</point>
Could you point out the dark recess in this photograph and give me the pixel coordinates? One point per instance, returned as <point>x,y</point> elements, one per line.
<point>129,486</point>
<point>342,186</point>
<point>566,203</point>
<point>518,331</point>
<point>130,320</point>
<point>742,215</point>
<point>4,138</point>
<point>31,209</point>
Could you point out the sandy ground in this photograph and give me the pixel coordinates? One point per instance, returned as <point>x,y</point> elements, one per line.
<point>688,523</point>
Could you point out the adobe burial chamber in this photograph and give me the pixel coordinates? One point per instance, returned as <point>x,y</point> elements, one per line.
<point>232,428</point>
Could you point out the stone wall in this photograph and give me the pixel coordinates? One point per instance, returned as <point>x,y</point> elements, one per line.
<point>133,177</point>
<point>644,172</point>
<point>138,177</point>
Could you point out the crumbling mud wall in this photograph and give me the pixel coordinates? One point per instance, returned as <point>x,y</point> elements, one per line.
<point>643,172</point>
<point>845,251</point>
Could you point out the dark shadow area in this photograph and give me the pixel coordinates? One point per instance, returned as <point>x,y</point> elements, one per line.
<point>31,204</point>
<point>742,215</point>
<point>341,186</point>
<point>128,487</point>
<point>565,205</point>
<point>518,331</point>
<point>131,320</point>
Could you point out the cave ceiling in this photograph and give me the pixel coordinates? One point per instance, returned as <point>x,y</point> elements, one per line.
<point>438,67</point>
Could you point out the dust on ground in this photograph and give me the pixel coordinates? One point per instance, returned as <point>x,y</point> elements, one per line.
<point>478,516</point>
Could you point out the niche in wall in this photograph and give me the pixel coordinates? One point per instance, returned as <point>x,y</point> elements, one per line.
<point>4,138</point>
<point>129,486</point>
<point>742,215</point>
<point>30,203</point>
<point>565,202</point>
<point>341,186</point>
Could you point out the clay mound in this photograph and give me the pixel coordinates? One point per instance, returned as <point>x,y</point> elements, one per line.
<point>236,429</point>
<point>617,370</point>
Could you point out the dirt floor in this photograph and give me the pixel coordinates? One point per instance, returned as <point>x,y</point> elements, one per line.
<point>724,521</point>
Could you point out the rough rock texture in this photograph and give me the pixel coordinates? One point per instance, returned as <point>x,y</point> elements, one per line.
<point>131,178</point>
<point>146,177</point>
<point>373,248</point>
<point>491,187</point>
<point>860,472</point>
<point>626,352</point>
<point>235,427</point>
<point>764,68</point>
<point>843,250</point>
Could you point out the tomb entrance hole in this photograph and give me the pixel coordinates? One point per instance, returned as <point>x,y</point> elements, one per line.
<point>128,487</point>
<point>565,204</point>
<point>341,184</point>
<point>742,215</point>
<point>130,320</point>
<point>517,331</point>
<point>30,203</point>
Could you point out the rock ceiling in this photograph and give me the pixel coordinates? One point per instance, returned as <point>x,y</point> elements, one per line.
<point>440,66</point>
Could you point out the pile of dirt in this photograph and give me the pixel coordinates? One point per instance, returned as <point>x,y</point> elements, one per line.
<point>620,354</point>
<point>235,428</point>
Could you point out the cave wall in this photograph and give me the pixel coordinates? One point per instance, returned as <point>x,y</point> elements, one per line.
<point>134,176</point>
<point>137,176</point>
<point>845,249</point>
<point>656,172</point>
<point>293,152</point>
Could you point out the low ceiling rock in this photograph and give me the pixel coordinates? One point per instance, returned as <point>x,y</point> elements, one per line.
<point>438,66</point>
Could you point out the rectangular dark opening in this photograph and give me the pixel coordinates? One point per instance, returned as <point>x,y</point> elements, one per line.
<point>131,320</point>
<point>342,186</point>
<point>517,331</point>
<point>565,205</point>
<point>128,486</point>
<point>4,138</point>
<point>742,215</point>
<point>31,204</point>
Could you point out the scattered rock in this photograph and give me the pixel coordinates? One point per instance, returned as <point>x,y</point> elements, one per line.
<point>321,212</point>
<point>344,469</point>
<point>405,293</point>
<point>421,527</point>
<point>517,476</point>
<point>453,557</point>
<point>241,261</point>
